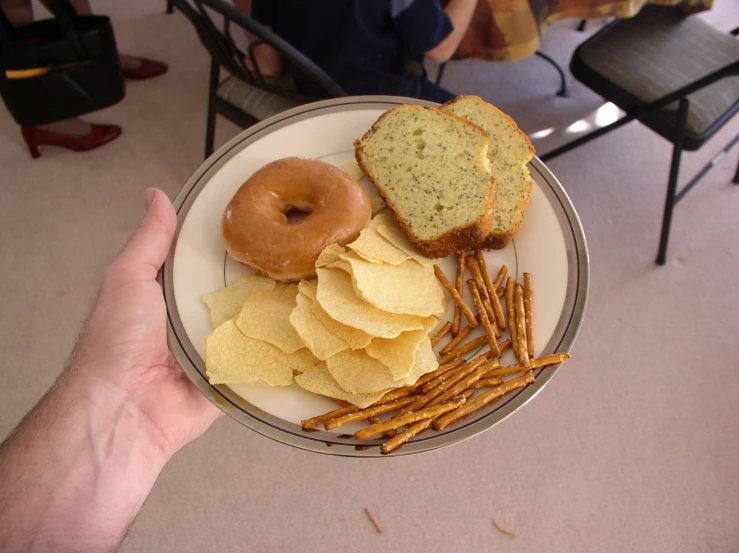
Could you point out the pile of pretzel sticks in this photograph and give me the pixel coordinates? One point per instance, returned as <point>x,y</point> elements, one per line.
<point>444,396</point>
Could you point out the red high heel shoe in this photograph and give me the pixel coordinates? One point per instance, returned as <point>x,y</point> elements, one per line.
<point>146,69</point>
<point>99,135</point>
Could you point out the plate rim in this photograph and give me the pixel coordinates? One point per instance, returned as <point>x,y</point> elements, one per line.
<point>336,445</point>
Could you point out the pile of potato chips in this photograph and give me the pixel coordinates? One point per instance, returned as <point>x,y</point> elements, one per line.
<point>355,332</point>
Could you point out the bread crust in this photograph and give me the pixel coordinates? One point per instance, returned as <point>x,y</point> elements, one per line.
<point>465,238</point>
<point>499,240</point>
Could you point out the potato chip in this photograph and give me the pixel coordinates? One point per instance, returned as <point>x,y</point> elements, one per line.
<point>329,255</point>
<point>289,290</point>
<point>227,302</point>
<point>377,203</point>
<point>375,248</point>
<point>337,297</point>
<point>405,289</point>
<point>232,357</point>
<point>395,235</point>
<point>358,373</point>
<point>353,168</point>
<point>318,380</point>
<point>356,338</point>
<point>266,316</point>
<point>425,362</point>
<point>398,354</point>
<point>312,332</point>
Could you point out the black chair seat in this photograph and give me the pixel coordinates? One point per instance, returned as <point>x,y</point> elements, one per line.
<point>642,59</point>
<point>254,101</point>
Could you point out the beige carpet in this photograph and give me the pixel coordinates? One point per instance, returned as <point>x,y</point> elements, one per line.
<point>632,447</point>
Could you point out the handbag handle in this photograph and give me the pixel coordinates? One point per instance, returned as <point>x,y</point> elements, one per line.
<point>65,14</point>
<point>6,30</point>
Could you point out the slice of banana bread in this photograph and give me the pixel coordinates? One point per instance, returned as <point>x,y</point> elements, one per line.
<point>510,151</point>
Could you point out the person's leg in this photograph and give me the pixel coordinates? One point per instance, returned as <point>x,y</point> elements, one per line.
<point>18,12</point>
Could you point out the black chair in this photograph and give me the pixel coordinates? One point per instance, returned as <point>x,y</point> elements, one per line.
<point>245,96</point>
<point>678,76</point>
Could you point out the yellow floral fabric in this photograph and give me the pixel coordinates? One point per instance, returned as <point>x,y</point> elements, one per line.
<point>510,29</point>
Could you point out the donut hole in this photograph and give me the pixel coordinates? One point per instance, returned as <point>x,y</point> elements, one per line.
<point>294,214</point>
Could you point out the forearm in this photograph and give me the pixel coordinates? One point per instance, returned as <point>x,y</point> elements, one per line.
<point>75,472</point>
<point>460,13</point>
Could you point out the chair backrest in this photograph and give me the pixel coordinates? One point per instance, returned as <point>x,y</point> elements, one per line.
<point>228,54</point>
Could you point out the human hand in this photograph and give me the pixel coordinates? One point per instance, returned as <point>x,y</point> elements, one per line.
<point>122,357</point>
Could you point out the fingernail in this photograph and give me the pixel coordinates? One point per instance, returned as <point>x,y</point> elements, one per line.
<point>149,196</point>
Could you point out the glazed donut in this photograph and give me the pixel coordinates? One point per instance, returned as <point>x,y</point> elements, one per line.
<point>256,231</point>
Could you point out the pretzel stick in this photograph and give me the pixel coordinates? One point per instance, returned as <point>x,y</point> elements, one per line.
<point>406,435</point>
<point>464,348</point>
<point>535,364</point>
<point>488,308</point>
<point>434,383</point>
<point>460,281</point>
<point>510,287</point>
<point>498,282</point>
<point>491,315</point>
<point>489,332</point>
<point>376,420</point>
<point>504,345</point>
<point>454,342</point>
<point>341,402</point>
<point>368,412</point>
<point>498,310</point>
<point>393,395</point>
<point>460,386</point>
<point>438,372</point>
<point>487,382</point>
<point>349,408</point>
<point>528,302</point>
<point>374,521</point>
<point>523,350</point>
<point>443,331</point>
<point>413,430</point>
<point>503,530</point>
<point>501,292</point>
<point>483,399</point>
<point>408,418</point>
<point>469,315</point>
<point>317,421</point>
<point>459,374</point>
<point>489,288</point>
<point>477,275</point>
<point>431,384</point>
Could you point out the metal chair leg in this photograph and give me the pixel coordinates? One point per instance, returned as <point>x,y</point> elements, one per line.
<point>170,6</point>
<point>210,126</point>
<point>440,74</point>
<point>581,26</point>
<point>735,180</point>
<point>562,75</point>
<point>677,150</point>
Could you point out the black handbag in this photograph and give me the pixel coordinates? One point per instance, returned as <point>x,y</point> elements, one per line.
<point>59,68</point>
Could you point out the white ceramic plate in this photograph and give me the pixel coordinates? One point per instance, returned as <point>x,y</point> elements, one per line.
<point>550,245</point>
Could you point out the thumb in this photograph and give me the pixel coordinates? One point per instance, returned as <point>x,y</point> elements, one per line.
<point>149,245</point>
